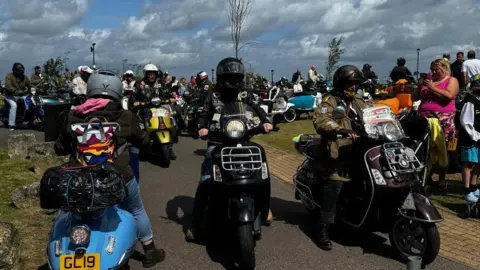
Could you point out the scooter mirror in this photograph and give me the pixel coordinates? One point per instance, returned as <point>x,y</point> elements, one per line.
<point>339,113</point>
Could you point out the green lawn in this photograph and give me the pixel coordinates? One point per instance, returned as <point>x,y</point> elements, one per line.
<point>32,223</point>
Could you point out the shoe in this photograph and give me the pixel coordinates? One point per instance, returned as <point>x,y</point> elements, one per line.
<point>172,154</point>
<point>477,193</point>
<point>12,128</point>
<point>337,177</point>
<point>323,238</point>
<point>152,256</point>
<point>269,219</point>
<point>193,235</point>
<point>470,197</point>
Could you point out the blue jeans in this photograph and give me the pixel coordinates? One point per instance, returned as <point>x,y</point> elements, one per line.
<point>133,204</point>
<point>135,162</point>
<point>12,114</point>
<point>203,188</point>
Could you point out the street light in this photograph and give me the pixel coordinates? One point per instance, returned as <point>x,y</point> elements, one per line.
<point>272,74</point>
<point>213,79</point>
<point>92,49</point>
<point>123,66</point>
<point>418,61</point>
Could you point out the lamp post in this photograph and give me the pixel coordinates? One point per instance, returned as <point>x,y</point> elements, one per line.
<point>418,61</point>
<point>213,78</point>
<point>123,66</point>
<point>92,49</point>
<point>272,74</point>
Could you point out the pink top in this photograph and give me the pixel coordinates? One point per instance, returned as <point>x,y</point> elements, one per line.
<point>430,104</point>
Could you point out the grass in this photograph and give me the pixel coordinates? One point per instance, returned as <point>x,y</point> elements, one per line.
<point>450,198</point>
<point>32,223</point>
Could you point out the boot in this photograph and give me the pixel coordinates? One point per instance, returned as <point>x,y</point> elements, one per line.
<point>323,238</point>
<point>172,154</point>
<point>269,219</point>
<point>152,255</point>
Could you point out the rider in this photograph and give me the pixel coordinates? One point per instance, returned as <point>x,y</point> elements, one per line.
<point>16,84</point>
<point>400,71</point>
<point>313,76</point>
<point>79,84</point>
<point>104,93</point>
<point>203,84</point>
<point>230,83</point>
<point>37,80</point>
<point>368,72</point>
<point>129,88</point>
<point>149,86</point>
<point>332,162</point>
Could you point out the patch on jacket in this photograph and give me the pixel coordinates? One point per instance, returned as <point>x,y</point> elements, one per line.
<point>324,110</point>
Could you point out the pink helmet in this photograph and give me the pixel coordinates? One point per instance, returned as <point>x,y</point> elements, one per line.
<point>313,66</point>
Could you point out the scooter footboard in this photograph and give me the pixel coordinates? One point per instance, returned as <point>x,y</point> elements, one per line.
<point>241,210</point>
<point>111,240</point>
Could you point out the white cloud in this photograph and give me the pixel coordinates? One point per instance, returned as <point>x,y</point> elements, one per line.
<point>193,35</point>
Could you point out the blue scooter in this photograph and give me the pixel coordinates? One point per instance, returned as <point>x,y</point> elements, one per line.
<point>102,240</point>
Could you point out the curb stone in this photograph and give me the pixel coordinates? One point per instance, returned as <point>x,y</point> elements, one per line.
<point>459,237</point>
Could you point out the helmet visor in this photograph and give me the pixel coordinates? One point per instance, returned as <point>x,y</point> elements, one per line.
<point>231,68</point>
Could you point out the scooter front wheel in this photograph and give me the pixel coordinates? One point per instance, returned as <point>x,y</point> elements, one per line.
<point>290,115</point>
<point>246,255</point>
<point>413,238</point>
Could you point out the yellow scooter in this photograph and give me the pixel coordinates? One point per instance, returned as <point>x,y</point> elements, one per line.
<point>160,127</point>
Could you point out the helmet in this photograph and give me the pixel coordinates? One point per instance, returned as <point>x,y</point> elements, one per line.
<point>18,69</point>
<point>347,74</point>
<point>230,73</point>
<point>85,69</point>
<point>201,77</point>
<point>149,67</point>
<point>313,66</point>
<point>401,61</point>
<point>105,83</point>
<point>128,72</point>
<point>367,66</point>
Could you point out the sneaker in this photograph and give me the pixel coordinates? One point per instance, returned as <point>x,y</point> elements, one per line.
<point>152,256</point>
<point>470,197</point>
<point>12,128</point>
<point>477,193</point>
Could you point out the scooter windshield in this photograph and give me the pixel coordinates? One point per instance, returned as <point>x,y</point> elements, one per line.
<point>380,123</point>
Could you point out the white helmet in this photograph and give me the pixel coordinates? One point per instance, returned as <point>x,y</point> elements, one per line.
<point>128,72</point>
<point>149,67</point>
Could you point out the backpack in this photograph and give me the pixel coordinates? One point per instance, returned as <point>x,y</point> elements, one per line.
<point>96,141</point>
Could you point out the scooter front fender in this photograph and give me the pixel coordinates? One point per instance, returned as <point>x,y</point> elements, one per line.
<point>112,237</point>
<point>163,136</point>
<point>242,210</point>
<point>425,211</point>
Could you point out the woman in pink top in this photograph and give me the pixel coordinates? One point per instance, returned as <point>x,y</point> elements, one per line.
<point>437,97</point>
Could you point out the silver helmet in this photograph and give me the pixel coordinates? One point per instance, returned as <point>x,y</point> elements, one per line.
<point>104,83</point>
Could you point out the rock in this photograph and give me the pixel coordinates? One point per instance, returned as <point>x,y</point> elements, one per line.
<point>26,196</point>
<point>9,246</point>
<point>18,145</point>
<point>44,149</point>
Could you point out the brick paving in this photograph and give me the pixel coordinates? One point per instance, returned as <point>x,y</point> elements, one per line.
<point>460,238</point>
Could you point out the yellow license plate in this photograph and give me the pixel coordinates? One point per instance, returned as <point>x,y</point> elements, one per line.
<point>80,262</point>
<point>186,117</point>
<point>452,145</point>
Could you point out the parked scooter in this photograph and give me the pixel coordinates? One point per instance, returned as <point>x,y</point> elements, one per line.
<point>387,191</point>
<point>241,186</point>
<point>277,106</point>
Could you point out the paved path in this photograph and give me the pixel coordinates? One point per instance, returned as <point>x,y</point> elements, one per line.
<point>168,195</point>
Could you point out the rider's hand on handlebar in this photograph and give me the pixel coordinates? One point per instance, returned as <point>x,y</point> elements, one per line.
<point>203,132</point>
<point>348,132</point>
<point>173,100</point>
<point>267,127</point>
<point>136,103</point>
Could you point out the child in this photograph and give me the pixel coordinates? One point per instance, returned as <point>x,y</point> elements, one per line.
<point>469,140</point>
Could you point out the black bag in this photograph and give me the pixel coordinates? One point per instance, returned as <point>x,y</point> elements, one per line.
<point>81,188</point>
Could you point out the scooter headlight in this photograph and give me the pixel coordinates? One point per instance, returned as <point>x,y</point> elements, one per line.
<point>235,129</point>
<point>33,91</point>
<point>156,101</point>
<point>392,132</point>
<point>80,235</point>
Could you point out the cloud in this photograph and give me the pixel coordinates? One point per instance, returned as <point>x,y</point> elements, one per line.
<point>186,36</point>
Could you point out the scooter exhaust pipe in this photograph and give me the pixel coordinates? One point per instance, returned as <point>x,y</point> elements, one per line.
<point>414,263</point>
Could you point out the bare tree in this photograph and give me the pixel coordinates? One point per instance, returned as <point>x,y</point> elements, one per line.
<point>334,53</point>
<point>238,14</point>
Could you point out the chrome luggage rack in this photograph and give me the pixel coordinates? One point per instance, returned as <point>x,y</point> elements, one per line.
<point>401,159</point>
<point>241,158</point>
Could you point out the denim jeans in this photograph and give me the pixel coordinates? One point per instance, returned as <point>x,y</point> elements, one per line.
<point>133,204</point>
<point>12,114</point>
<point>203,188</point>
<point>135,162</point>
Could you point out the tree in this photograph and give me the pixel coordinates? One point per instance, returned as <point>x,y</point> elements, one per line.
<point>53,69</point>
<point>238,14</point>
<point>334,53</point>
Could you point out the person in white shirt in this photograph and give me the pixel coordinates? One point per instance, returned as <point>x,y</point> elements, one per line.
<point>128,82</point>
<point>313,75</point>
<point>470,67</point>
<point>79,84</point>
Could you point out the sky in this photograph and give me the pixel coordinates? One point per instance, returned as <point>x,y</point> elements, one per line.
<point>188,36</point>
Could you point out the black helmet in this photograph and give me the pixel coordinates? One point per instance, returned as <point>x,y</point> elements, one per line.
<point>18,69</point>
<point>230,73</point>
<point>344,75</point>
<point>367,66</point>
<point>401,61</point>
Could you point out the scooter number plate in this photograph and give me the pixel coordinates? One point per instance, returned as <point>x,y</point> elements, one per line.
<point>452,145</point>
<point>159,113</point>
<point>80,262</point>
